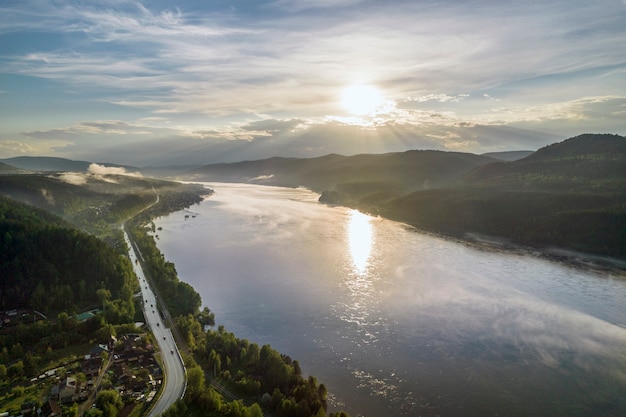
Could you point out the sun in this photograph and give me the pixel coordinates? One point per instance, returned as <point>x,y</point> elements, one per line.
<point>361,99</point>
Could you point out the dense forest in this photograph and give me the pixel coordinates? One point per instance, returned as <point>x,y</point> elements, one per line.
<point>47,265</point>
<point>49,272</point>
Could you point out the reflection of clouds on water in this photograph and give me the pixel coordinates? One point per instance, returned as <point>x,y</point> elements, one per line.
<point>418,326</point>
<point>471,307</point>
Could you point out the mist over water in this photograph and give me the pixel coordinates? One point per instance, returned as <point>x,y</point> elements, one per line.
<point>397,322</point>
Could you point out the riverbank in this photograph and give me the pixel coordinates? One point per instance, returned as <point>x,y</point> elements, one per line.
<point>262,378</point>
<point>425,325</point>
<point>585,261</point>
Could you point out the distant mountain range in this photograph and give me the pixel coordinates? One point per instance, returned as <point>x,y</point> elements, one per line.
<point>401,171</point>
<point>48,163</point>
<point>570,194</point>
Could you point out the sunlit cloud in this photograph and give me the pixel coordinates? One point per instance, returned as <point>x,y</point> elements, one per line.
<point>101,170</point>
<point>74,178</point>
<point>222,73</point>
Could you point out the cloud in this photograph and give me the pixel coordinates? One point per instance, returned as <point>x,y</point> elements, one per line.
<point>273,126</point>
<point>201,77</point>
<point>101,171</point>
<point>302,5</point>
<point>74,178</point>
<point>442,97</point>
<point>215,65</point>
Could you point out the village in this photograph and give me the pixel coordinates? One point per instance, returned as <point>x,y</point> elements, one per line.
<point>126,365</point>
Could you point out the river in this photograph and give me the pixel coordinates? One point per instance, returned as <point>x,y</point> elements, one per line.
<point>400,323</point>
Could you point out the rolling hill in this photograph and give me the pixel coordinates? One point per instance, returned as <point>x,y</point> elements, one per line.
<point>400,171</point>
<point>571,194</point>
<point>47,163</point>
<point>584,163</point>
<point>5,168</point>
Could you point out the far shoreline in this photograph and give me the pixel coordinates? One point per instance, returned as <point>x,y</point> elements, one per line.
<point>598,264</point>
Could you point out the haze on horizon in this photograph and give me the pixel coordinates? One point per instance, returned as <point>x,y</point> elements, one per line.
<point>173,83</point>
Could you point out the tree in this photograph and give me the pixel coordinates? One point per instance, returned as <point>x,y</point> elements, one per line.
<point>254,411</point>
<point>109,402</point>
<point>71,411</point>
<point>195,380</point>
<point>206,317</point>
<point>15,370</point>
<point>17,391</point>
<point>94,412</point>
<point>103,295</point>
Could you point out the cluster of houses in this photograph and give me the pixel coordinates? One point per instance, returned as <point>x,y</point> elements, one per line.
<point>129,364</point>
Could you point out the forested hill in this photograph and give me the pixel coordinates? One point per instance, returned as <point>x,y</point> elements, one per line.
<point>570,194</point>
<point>47,265</point>
<point>48,163</point>
<point>584,163</point>
<point>95,202</point>
<point>399,171</point>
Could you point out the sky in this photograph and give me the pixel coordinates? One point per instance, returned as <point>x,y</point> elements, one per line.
<point>202,81</point>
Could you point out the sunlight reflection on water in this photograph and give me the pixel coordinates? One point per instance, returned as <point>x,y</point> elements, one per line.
<point>360,239</point>
<point>401,323</point>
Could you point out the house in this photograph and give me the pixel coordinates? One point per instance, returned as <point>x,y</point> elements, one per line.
<point>50,409</point>
<point>122,372</point>
<point>66,390</point>
<point>97,350</point>
<point>91,367</point>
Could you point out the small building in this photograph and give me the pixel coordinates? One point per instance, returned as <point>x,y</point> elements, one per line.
<point>66,390</point>
<point>91,367</point>
<point>50,409</point>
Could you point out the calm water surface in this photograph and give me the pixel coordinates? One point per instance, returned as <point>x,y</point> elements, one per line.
<point>400,323</point>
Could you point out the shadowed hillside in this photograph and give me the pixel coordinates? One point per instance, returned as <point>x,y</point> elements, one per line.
<point>4,168</point>
<point>570,194</point>
<point>399,171</point>
<point>591,163</point>
<point>47,163</point>
<point>96,202</point>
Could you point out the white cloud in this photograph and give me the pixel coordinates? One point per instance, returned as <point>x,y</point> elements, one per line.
<point>102,172</point>
<point>74,178</point>
<point>201,78</point>
<point>442,97</point>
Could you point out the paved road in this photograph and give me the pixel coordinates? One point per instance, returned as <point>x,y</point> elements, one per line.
<point>175,378</point>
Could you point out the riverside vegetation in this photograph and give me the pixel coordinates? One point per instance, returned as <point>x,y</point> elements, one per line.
<point>51,266</point>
